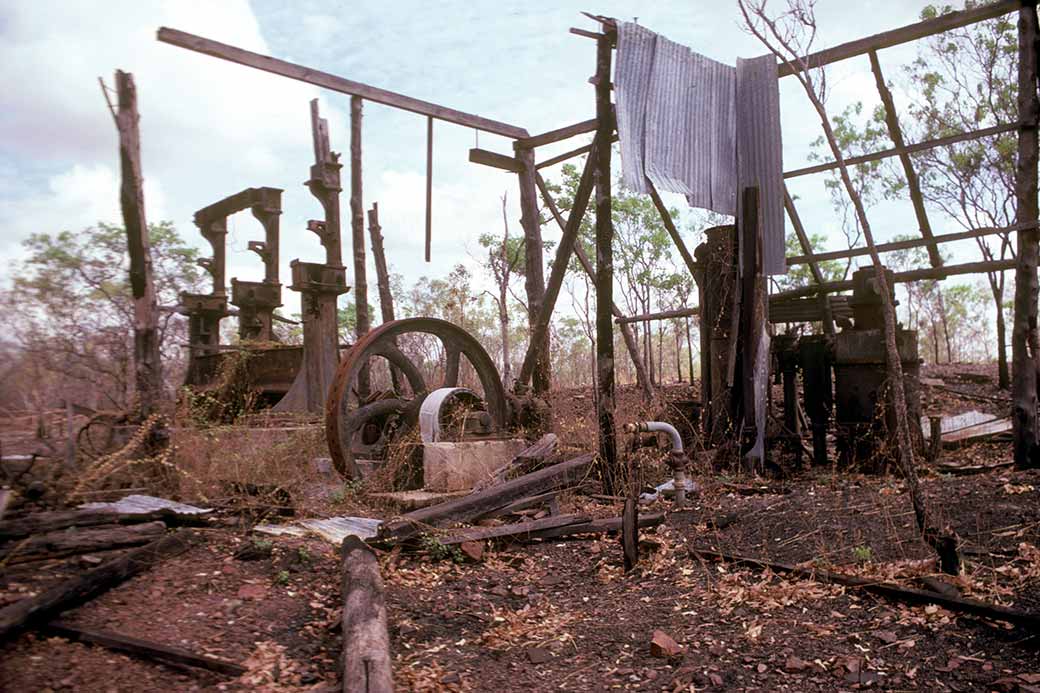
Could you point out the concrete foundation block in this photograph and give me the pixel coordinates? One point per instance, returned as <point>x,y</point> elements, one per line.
<point>457,466</point>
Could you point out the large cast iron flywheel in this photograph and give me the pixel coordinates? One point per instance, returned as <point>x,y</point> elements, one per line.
<point>360,424</point>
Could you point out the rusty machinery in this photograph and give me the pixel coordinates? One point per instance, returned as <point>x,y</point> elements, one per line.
<point>845,375</point>
<point>365,427</point>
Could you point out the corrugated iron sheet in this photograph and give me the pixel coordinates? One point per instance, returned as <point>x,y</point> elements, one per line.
<point>680,118</point>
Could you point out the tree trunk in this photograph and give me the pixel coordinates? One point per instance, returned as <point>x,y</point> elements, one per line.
<point>148,379</point>
<point>1003,375</point>
<point>534,277</point>
<point>1025,344</point>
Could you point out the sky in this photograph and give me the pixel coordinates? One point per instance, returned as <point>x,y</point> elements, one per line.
<point>210,128</point>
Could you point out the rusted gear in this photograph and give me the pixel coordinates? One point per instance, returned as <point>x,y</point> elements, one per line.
<point>382,417</point>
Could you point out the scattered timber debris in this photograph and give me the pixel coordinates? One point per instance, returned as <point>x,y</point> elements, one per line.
<point>143,648</point>
<point>524,462</point>
<point>75,591</point>
<point>62,543</point>
<point>1030,621</point>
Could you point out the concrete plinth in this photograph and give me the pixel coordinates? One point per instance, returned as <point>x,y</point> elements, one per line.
<point>457,466</point>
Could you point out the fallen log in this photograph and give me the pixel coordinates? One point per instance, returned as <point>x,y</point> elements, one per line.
<point>78,590</point>
<point>70,542</point>
<point>613,524</point>
<point>537,452</point>
<point>557,477</point>
<point>143,648</point>
<point>910,595</point>
<point>523,530</point>
<point>366,643</point>
<point>51,521</point>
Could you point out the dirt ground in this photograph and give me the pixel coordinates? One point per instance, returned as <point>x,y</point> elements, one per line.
<point>563,615</point>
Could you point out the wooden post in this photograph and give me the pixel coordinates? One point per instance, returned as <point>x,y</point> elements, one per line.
<point>357,228</point>
<point>534,278</point>
<point>429,186</point>
<point>366,643</point>
<point>605,272</point>
<point>1025,343</point>
<point>147,364</point>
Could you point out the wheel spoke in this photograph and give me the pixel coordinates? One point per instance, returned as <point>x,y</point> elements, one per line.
<point>451,370</point>
<point>396,357</point>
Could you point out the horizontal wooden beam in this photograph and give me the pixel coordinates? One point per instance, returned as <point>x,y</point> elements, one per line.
<point>905,244</point>
<point>556,135</point>
<point>894,37</point>
<point>663,315</point>
<point>494,159</point>
<point>328,81</point>
<point>909,149</point>
<point>570,155</point>
<point>903,277</point>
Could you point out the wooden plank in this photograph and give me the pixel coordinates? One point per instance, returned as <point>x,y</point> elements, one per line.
<point>555,135</point>
<point>903,277</point>
<point>669,225</point>
<point>570,155</point>
<point>904,34</point>
<point>521,530</point>
<point>82,588</point>
<point>906,244</point>
<point>556,477</point>
<point>612,524</point>
<point>661,315</point>
<point>362,321</point>
<point>537,452</point>
<point>912,183</point>
<point>143,648</point>
<point>540,328</point>
<point>429,187</point>
<point>284,68</point>
<point>888,590</point>
<point>909,149</point>
<point>495,160</point>
<point>366,641</point>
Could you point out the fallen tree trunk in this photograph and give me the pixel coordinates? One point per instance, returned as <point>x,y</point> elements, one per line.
<point>612,524</point>
<point>143,648</point>
<point>43,522</point>
<point>538,451</point>
<point>366,643</point>
<point>529,529</point>
<point>556,477</point>
<point>78,590</point>
<point>1025,619</point>
<point>76,541</point>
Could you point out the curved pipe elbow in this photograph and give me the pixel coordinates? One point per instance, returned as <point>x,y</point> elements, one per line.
<point>658,427</point>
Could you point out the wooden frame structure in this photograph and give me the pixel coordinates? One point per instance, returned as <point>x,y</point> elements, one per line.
<point>596,181</point>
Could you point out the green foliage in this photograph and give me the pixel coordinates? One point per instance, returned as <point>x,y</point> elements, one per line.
<point>282,578</point>
<point>801,275</point>
<point>862,554</point>
<point>440,552</point>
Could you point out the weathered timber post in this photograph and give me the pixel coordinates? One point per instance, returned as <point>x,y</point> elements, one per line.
<point>386,298</point>
<point>605,270</point>
<point>366,643</point>
<point>147,365</point>
<point>357,227</point>
<point>534,278</point>
<point>1025,343</point>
